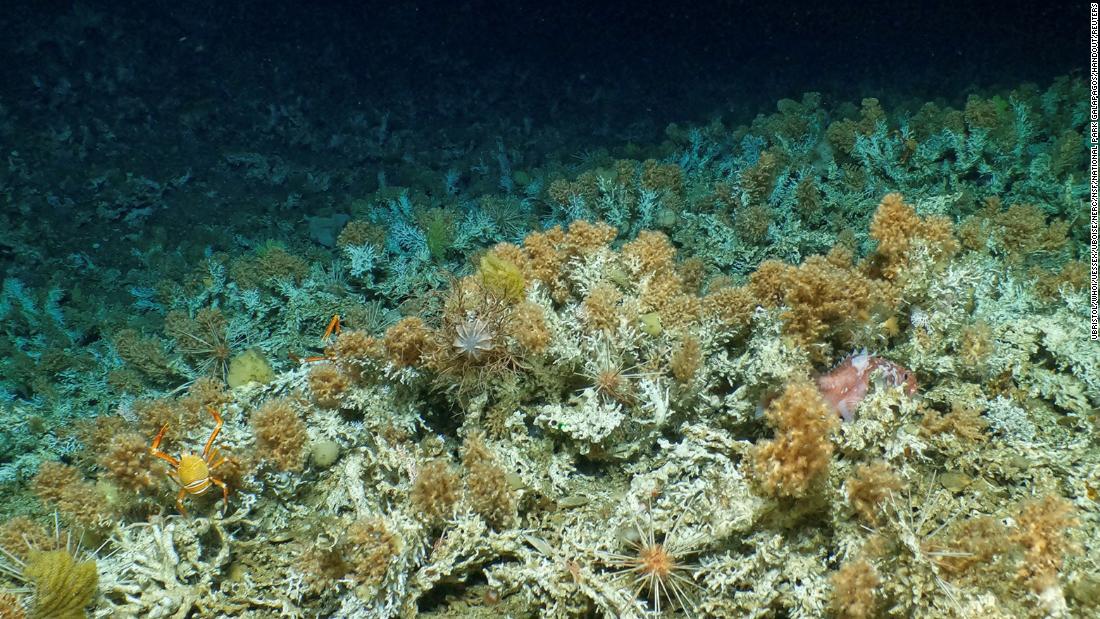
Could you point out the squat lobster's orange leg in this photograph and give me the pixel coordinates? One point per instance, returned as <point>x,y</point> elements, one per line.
<point>179,502</point>
<point>225,490</point>
<point>208,457</point>
<point>332,328</point>
<point>214,434</point>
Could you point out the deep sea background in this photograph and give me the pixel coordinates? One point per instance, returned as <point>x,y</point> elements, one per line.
<point>582,75</point>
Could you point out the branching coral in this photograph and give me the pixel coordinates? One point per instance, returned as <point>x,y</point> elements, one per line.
<point>854,591</point>
<point>1016,232</point>
<point>20,535</point>
<point>170,568</point>
<point>327,385</point>
<point>355,352</point>
<point>128,463</point>
<point>1041,532</point>
<point>649,258</point>
<point>600,309</point>
<point>269,263</point>
<point>435,491</point>
<point>62,486</point>
<point>487,487</point>
<point>899,231</point>
<point>526,325</point>
<point>370,547</point>
<point>869,488</point>
<point>686,360</point>
<point>407,341</point>
<point>11,607</point>
<point>791,463</point>
<point>280,435</point>
<point>548,252</point>
<point>819,298</point>
<point>144,354</point>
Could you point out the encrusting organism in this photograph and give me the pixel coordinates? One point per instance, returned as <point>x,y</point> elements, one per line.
<point>192,472</point>
<point>501,274</point>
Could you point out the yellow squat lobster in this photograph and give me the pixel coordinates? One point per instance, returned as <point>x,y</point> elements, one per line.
<point>192,472</point>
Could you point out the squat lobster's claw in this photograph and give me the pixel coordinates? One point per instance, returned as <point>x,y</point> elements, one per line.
<point>155,448</point>
<point>214,434</point>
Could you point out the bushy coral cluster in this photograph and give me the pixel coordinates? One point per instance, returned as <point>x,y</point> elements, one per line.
<point>1041,531</point>
<point>435,491</point>
<point>854,591</point>
<point>798,457</point>
<point>63,488</point>
<point>281,436</point>
<point>128,464</point>
<point>327,385</point>
<point>488,490</point>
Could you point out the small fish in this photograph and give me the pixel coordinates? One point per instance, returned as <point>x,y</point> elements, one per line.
<point>845,386</point>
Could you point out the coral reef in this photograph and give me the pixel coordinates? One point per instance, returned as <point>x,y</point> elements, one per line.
<point>832,361</point>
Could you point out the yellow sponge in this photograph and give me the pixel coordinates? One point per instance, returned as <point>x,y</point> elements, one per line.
<point>249,366</point>
<point>502,277</point>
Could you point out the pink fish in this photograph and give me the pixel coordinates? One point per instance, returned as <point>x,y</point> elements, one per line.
<point>845,386</point>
